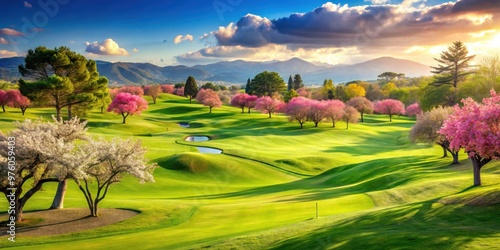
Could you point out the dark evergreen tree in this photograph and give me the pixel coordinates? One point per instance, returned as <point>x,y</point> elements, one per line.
<point>290,83</point>
<point>297,82</point>
<point>452,68</point>
<point>247,87</point>
<point>190,88</point>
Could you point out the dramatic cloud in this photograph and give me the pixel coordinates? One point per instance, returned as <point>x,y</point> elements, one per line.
<point>6,53</point>
<point>27,5</point>
<point>3,41</point>
<point>336,25</point>
<point>107,47</point>
<point>410,27</point>
<point>178,39</point>
<point>10,32</point>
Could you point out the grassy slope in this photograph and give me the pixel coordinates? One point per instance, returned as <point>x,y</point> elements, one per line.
<point>372,186</point>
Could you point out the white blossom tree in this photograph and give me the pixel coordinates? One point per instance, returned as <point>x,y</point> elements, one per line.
<point>27,146</point>
<point>97,164</point>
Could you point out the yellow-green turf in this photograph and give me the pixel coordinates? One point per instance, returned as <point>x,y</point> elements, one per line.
<point>374,189</point>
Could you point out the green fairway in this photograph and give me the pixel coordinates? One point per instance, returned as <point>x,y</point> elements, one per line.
<point>373,188</point>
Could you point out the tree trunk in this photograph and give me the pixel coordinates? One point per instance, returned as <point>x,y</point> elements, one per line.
<point>3,108</point>
<point>269,114</point>
<point>445,151</point>
<point>23,110</point>
<point>102,109</point>
<point>455,157</point>
<point>361,116</point>
<point>477,163</point>
<point>390,118</point>
<point>249,110</point>
<point>154,100</point>
<point>347,127</point>
<point>58,202</point>
<point>476,168</point>
<point>242,110</point>
<point>58,113</point>
<point>124,117</point>
<point>210,110</point>
<point>70,114</point>
<point>315,124</point>
<point>333,122</point>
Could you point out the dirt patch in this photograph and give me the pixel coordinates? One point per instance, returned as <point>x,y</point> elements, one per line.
<point>68,220</point>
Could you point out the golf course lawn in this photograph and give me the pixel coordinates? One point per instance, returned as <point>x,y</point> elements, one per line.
<point>373,188</point>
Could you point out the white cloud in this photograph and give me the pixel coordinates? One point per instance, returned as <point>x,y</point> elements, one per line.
<point>27,5</point>
<point>178,39</point>
<point>3,41</point>
<point>107,47</point>
<point>7,53</point>
<point>135,50</point>
<point>10,32</point>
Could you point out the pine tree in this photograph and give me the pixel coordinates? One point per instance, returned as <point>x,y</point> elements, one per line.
<point>452,67</point>
<point>247,87</point>
<point>190,88</point>
<point>290,83</point>
<point>297,82</point>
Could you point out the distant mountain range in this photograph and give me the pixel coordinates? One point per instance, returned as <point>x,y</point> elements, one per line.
<point>239,71</point>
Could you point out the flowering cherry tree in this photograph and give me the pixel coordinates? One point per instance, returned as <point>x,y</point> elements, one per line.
<point>5,99</point>
<point>427,127</point>
<point>317,111</point>
<point>127,104</point>
<point>209,98</point>
<point>475,127</point>
<point>298,110</point>
<point>250,102</point>
<point>413,110</point>
<point>240,100</point>
<point>268,105</point>
<point>167,88</point>
<point>363,105</point>
<point>390,107</point>
<point>350,115</point>
<point>153,90</point>
<point>335,111</point>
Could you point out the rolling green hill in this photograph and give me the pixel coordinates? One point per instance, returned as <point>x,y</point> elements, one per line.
<point>374,189</point>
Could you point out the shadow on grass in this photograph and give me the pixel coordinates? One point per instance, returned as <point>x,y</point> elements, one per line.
<point>370,176</point>
<point>414,226</point>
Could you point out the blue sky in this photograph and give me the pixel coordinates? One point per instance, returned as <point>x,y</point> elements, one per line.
<point>200,32</point>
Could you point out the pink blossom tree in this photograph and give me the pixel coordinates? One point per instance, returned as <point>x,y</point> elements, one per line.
<point>250,102</point>
<point>6,98</point>
<point>134,90</point>
<point>209,98</point>
<point>475,127</point>
<point>268,105</point>
<point>19,101</point>
<point>298,110</point>
<point>317,111</point>
<point>350,115</point>
<point>127,104</point>
<point>390,107</point>
<point>179,91</point>
<point>167,88</point>
<point>153,90</point>
<point>335,111</point>
<point>240,100</point>
<point>413,110</point>
<point>363,105</point>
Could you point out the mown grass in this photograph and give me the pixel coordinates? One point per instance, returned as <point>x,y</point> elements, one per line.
<point>373,187</point>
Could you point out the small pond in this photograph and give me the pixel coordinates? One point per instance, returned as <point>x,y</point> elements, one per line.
<point>184,124</point>
<point>205,150</point>
<point>197,138</point>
